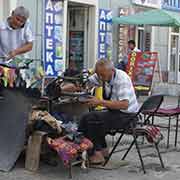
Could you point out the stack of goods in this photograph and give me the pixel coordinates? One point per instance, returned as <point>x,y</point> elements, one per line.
<point>61,137</point>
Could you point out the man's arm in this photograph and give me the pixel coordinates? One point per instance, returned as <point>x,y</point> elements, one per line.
<point>21,50</point>
<point>122,96</point>
<point>123,105</point>
<point>29,38</point>
<point>70,87</point>
<point>110,104</point>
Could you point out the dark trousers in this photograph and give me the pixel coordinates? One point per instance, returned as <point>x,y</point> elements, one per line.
<point>96,125</point>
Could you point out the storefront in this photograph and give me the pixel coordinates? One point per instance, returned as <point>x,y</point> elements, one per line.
<point>74,24</point>
<point>65,30</point>
<point>174,55</point>
<point>143,35</point>
<point>173,44</point>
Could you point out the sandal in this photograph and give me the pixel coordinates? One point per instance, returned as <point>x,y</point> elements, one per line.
<point>97,158</point>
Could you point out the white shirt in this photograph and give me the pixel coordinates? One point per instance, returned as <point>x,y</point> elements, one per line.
<point>136,50</point>
<point>122,89</point>
<point>11,39</point>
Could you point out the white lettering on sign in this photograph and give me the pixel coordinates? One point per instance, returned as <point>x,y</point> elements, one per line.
<point>103,15</point>
<point>58,6</point>
<point>49,44</point>
<point>49,30</point>
<point>102,56</point>
<point>121,13</point>
<point>49,18</point>
<point>49,70</point>
<point>102,37</point>
<point>53,28</point>
<point>102,26</point>
<point>109,16</point>
<point>105,34</point>
<point>49,57</point>
<point>49,5</point>
<point>149,3</point>
<point>102,48</point>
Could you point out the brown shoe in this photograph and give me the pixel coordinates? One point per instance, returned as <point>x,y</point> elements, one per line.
<point>97,158</point>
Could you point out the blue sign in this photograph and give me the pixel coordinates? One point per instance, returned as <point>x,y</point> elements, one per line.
<point>171,4</point>
<point>53,37</point>
<point>105,34</point>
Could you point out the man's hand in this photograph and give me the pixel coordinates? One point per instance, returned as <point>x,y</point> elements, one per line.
<point>11,55</point>
<point>70,87</point>
<point>21,50</point>
<point>123,105</point>
<point>93,102</point>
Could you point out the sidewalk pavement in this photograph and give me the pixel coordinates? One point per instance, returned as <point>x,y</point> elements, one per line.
<point>132,171</point>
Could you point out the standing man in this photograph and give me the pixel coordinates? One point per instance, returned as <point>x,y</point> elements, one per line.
<point>131,48</point>
<point>16,37</point>
<point>120,102</point>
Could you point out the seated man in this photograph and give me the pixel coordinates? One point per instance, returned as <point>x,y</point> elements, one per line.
<point>120,103</point>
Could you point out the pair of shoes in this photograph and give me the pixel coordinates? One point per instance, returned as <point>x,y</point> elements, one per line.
<point>97,158</point>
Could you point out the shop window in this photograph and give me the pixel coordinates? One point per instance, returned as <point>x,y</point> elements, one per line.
<point>173,53</point>
<point>175,29</point>
<point>76,36</point>
<point>141,38</point>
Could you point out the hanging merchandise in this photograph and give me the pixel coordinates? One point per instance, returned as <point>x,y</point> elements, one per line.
<point>21,73</point>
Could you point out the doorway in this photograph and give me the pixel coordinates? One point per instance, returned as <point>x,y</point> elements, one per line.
<point>174,56</point>
<point>77,35</point>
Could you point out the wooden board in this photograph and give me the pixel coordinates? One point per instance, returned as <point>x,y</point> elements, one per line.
<point>33,151</point>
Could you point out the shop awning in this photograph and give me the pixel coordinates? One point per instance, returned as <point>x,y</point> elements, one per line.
<point>157,17</point>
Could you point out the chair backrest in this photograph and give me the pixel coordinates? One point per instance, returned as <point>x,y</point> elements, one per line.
<point>152,103</point>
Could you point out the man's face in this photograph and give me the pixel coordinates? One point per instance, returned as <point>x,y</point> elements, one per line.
<point>131,46</point>
<point>17,21</point>
<point>104,74</point>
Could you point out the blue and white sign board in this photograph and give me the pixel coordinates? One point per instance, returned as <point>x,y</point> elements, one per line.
<point>171,5</point>
<point>148,3</point>
<point>105,34</point>
<point>53,37</point>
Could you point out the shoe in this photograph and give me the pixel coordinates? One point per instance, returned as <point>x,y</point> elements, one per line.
<point>97,158</point>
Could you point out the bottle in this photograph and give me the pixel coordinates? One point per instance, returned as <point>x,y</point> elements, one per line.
<point>99,95</point>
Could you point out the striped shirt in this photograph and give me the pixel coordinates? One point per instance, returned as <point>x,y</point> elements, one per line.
<point>122,89</point>
<point>11,39</point>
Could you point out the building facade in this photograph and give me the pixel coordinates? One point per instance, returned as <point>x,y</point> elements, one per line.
<point>81,27</point>
<point>172,45</point>
<point>78,33</point>
<point>164,40</point>
<point>121,34</point>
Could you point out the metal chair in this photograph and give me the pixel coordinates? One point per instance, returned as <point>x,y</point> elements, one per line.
<point>152,103</point>
<point>170,113</point>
